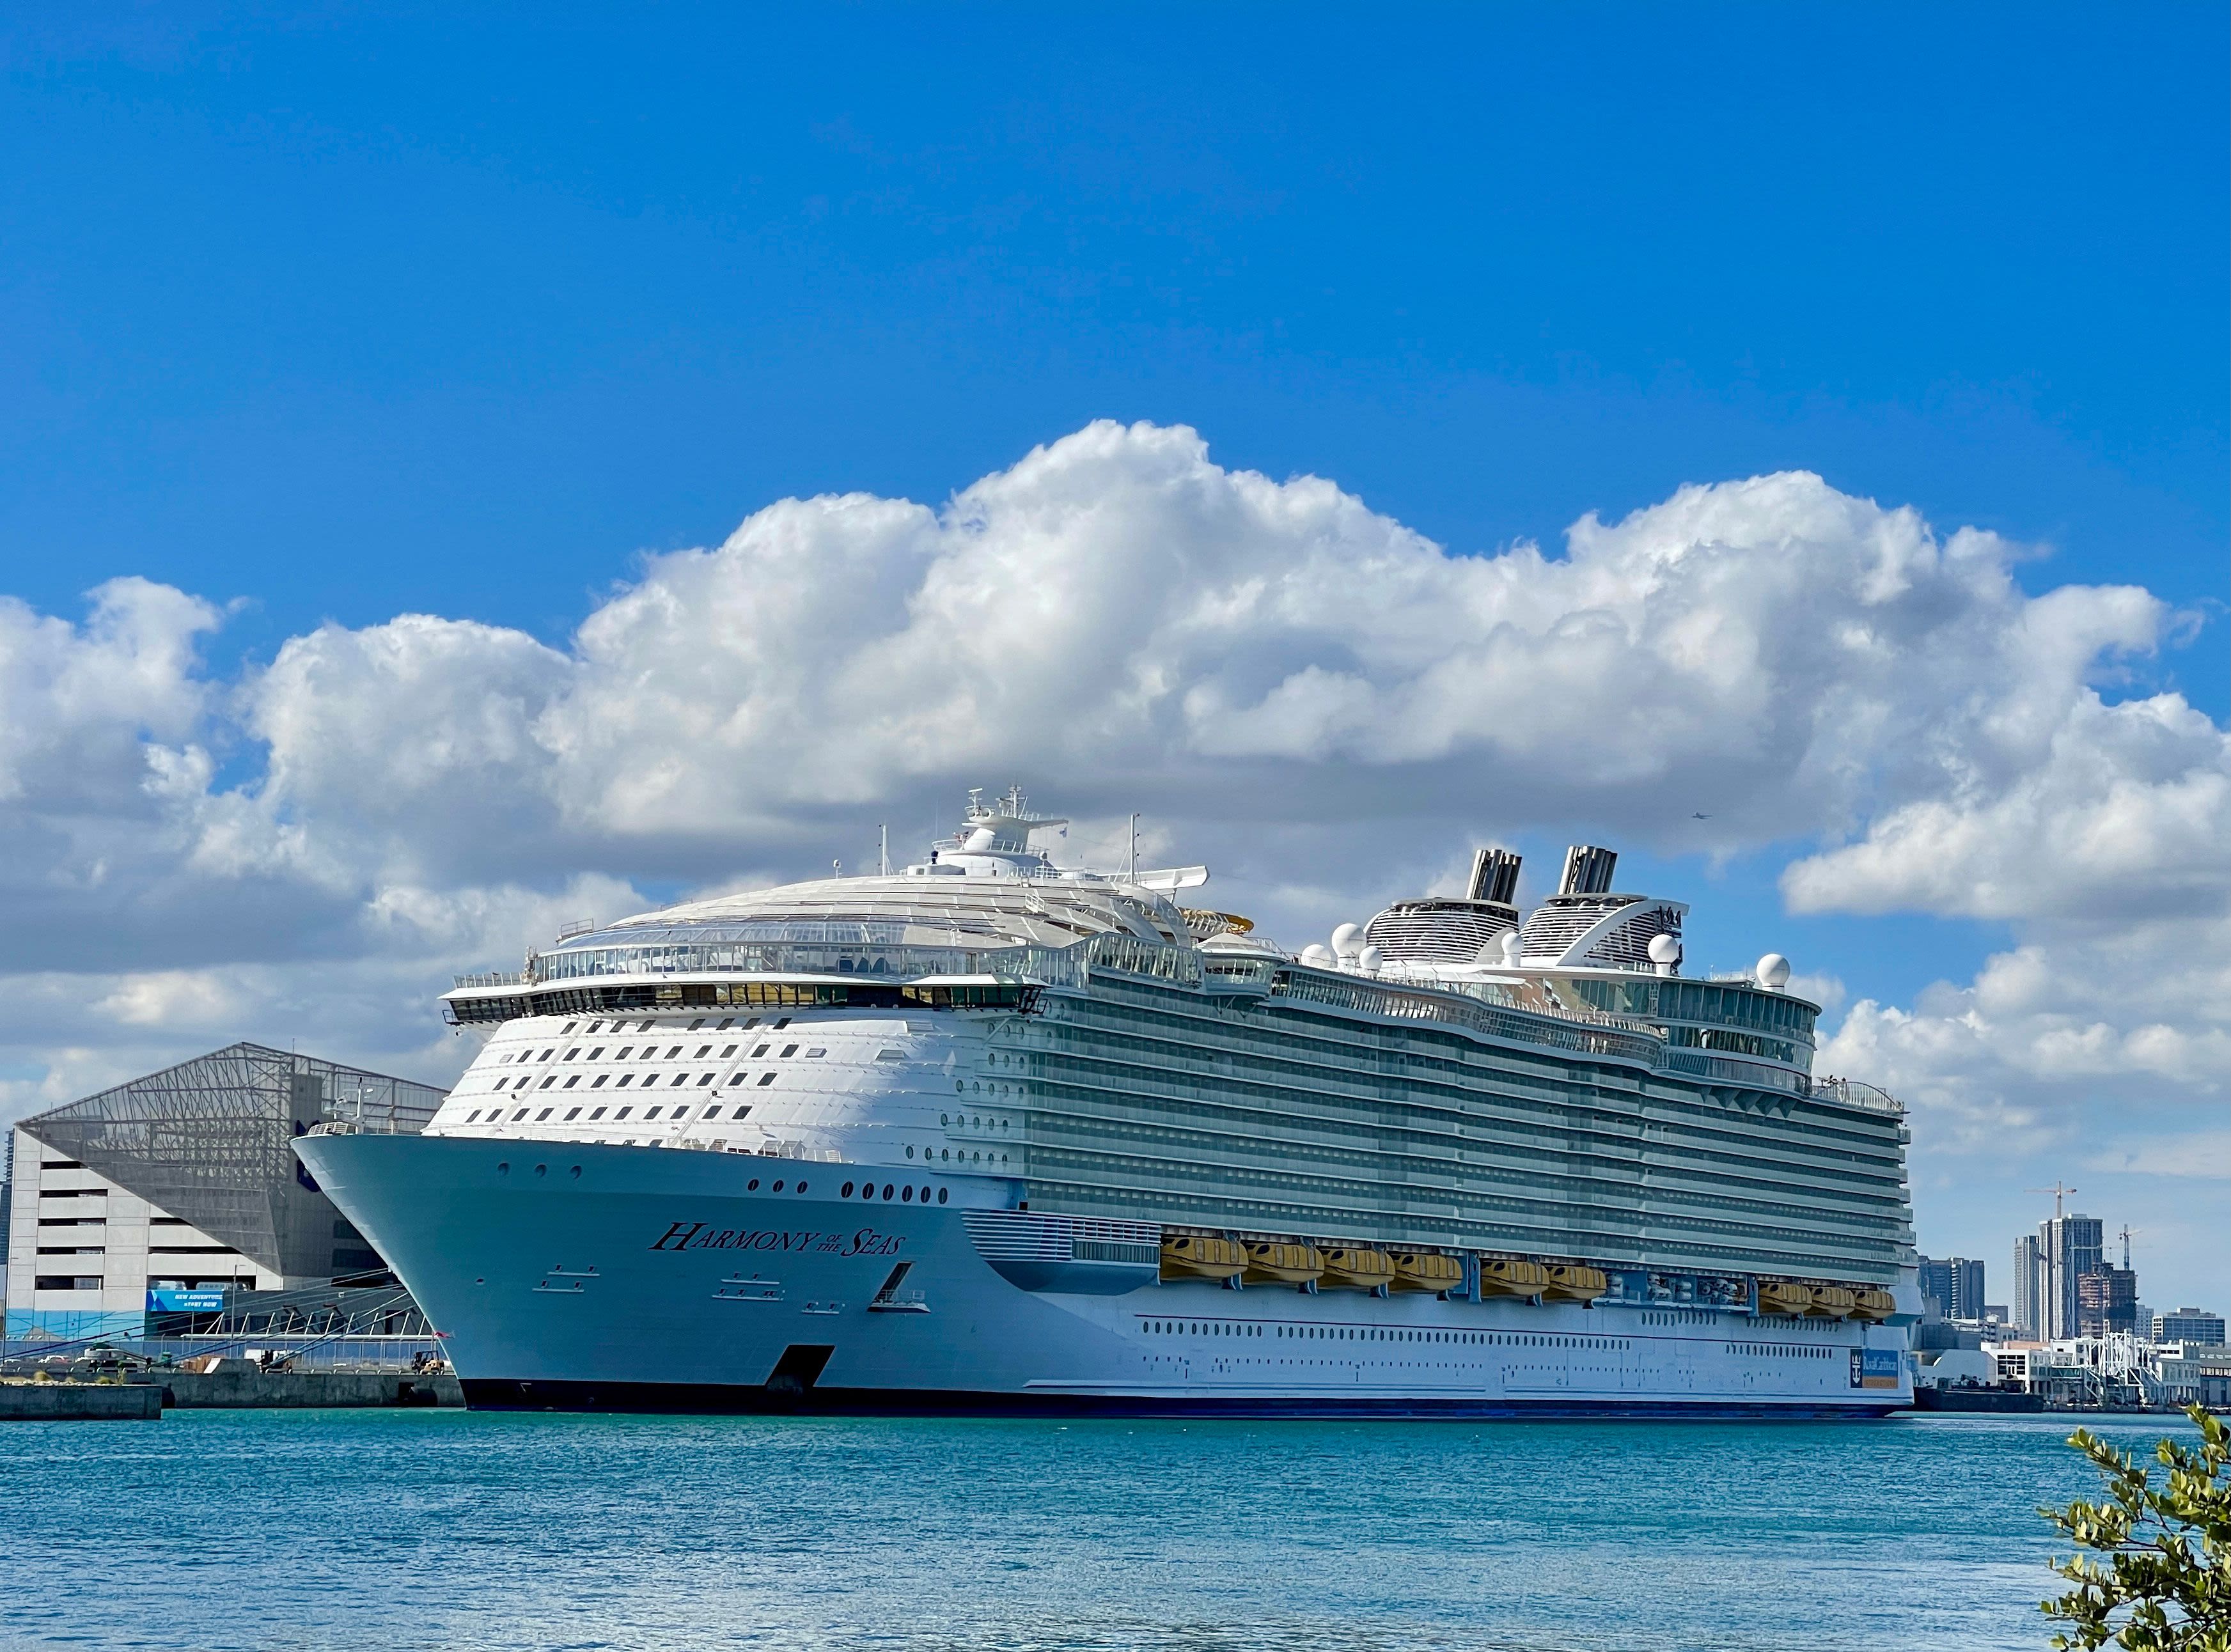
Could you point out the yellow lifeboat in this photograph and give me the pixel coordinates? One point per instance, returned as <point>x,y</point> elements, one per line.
<point>1506,1276</point>
<point>1833,1302</point>
<point>1198,1255</point>
<point>1872,1305</point>
<point>1356,1270</point>
<point>1271,1262</point>
<point>1427,1270</point>
<point>1775,1296</point>
<point>1575,1283</point>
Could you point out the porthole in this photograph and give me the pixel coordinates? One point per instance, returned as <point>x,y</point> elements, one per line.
<point>906,1196</point>
<point>752,1186</point>
<point>777,1187</point>
<point>942,1193</point>
<point>800,1188</point>
<point>503,1170</point>
<point>888,1190</point>
<point>910,1152</point>
<point>943,1119</point>
<point>542,1170</point>
<point>846,1191</point>
<point>925,1195</point>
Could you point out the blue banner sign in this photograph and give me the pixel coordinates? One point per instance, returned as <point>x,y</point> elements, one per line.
<point>1875,1367</point>
<point>160,1302</point>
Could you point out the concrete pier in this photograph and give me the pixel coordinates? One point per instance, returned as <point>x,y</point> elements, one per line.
<point>188,1390</point>
<point>77,1403</point>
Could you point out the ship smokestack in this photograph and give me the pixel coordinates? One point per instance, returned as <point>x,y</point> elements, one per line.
<point>1587,870</point>
<point>1494,876</point>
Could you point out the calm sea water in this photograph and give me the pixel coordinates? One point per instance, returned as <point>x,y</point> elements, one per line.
<point>349,1529</point>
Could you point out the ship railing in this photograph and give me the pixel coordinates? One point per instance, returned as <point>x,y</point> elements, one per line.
<point>495,979</point>
<point>1851,1092</point>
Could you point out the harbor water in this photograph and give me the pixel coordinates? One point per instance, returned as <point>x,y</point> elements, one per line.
<point>433,1528</point>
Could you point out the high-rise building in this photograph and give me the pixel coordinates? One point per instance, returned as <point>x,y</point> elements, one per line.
<point>2188,1325</point>
<point>1955,1284</point>
<point>2106,1301</point>
<point>2068,1247</point>
<point>2028,1304</point>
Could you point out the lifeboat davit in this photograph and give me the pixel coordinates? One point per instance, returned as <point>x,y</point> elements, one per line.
<point>1776,1297</point>
<point>1575,1283</point>
<point>1273,1263</point>
<point>1872,1305</point>
<point>1427,1270</point>
<point>1833,1302</point>
<point>1199,1255</point>
<point>1356,1270</point>
<point>1506,1276</point>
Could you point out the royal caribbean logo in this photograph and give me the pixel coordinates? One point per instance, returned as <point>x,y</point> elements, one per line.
<point>702,1236</point>
<point>1875,1367</point>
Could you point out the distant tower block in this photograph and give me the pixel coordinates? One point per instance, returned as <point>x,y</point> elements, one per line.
<point>1587,870</point>
<point>1494,876</point>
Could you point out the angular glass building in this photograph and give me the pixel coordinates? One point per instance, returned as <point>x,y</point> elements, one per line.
<point>162,1194</point>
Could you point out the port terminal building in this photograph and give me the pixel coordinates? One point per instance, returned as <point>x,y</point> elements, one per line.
<point>173,1205</point>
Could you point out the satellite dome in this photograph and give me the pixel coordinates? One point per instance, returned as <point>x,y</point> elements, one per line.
<point>1369,957</point>
<point>1347,938</point>
<point>1772,971</point>
<point>1508,944</point>
<point>1664,949</point>
<point>1317,954</point>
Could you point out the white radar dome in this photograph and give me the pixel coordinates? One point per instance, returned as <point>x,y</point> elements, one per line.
<point>1347,938</point>
<point>1664,949</point>
<point>1369,956</point>
<point>1317,954</point>
<point>1508,944</point>
<point>1772,971</point>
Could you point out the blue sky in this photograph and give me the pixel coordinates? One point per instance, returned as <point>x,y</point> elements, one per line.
<point>336,315</point>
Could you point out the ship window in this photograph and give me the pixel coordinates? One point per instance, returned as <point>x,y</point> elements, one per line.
<point>571,1081</point>
<point>681,1112</point>
<point>812,1053</point>
<point>696,1024</point>
<point>622,1113</point>
<point>544,1113</point>
<point>517,1116</point>
<point>705,1081</point>
<point>781,1024</point>
<point>765,1079</point>
<point>945,1154</point>
<point>574,1115</point>
<point>941,1195</point>
<point>713,1113</point>
<point>598,1114</point>
<point>729,1051</point>
<point>643,1027</point>
<point>761,1051</point>
<point>887,1190</point>
<point>626,1050</point>
<point>673,1055</point>
<point>680,1079</point>
<point>471,1116</point>
<point>943,1119</point>
<point>597,1054</point>
<point>789,1050</point>
<point>752,1186</point>
<point>572,1052</point>
<point>890,1055</point>
<point>546,1054</point>
<point>906,1196</point>
<point>652,1113</point>
<point>626,1079</point>
<point>910,1152</point>
<point>571,1025</point>
<point>703,1050</point>
<point>599,1083</point>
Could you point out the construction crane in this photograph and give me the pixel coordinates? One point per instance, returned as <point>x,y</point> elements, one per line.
<point>2125,1236</point>
<point>2059,1193</point>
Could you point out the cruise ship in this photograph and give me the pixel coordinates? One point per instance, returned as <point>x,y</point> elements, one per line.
<point>985,1133</point>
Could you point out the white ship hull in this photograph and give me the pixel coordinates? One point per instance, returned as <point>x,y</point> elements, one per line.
<point>579,1276</point>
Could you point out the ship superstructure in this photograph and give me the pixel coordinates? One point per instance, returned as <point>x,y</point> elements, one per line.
<point>988,1132</point>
